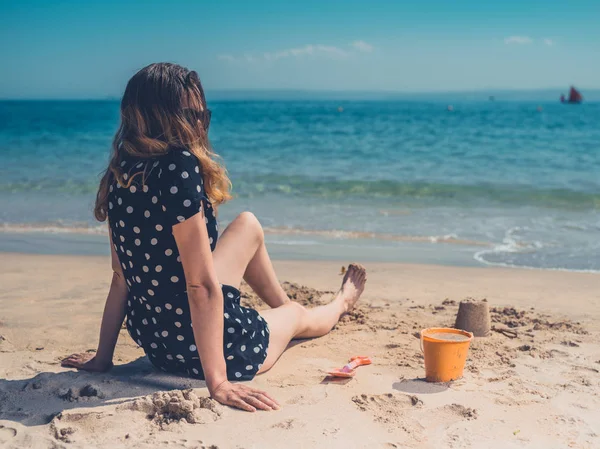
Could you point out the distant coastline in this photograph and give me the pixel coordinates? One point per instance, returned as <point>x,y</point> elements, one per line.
<point>549,94</point>
<point>534,95</point>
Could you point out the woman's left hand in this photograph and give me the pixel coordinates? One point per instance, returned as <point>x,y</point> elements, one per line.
<point>87,361</point>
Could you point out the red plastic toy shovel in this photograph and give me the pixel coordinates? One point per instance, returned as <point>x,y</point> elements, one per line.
<point>349,370</point>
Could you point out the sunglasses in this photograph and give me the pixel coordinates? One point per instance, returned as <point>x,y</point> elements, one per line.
<point>194,115</point>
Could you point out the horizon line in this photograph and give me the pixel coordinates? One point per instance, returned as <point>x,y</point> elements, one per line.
<point>491,91</point>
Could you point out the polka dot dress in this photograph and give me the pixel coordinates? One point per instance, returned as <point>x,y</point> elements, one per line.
<point>162,192</point>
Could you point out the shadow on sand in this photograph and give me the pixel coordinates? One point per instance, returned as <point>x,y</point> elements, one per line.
<point>419,386</point>
<point>37,400</point>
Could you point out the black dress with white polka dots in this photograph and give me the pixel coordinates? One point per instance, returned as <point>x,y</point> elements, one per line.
<point>160,193</point>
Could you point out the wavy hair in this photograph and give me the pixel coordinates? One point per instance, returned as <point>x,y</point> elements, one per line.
<point>163,108</point>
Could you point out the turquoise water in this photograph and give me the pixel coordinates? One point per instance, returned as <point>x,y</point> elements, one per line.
<point>503,181</point>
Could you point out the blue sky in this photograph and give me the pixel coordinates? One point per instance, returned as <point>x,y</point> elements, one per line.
<point>75,49</point>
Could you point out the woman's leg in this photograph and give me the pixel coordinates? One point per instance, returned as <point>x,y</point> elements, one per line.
<point>292,320</point>
<point>241,254</point>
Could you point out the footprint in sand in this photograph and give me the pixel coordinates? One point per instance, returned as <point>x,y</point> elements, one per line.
<point>5,345</point>
<point>386,408</point>
<point>460,411</point>
<point>7,433</point>
<point>446,425</point>
<point>386,402</point>
<point>287,424</point>
<point>311,399</point>
<point>66,424</point>
<point>395,411</point>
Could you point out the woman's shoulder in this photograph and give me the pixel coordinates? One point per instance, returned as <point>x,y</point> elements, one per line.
<point>180,170</point>
<point>181,188</point>
<point>179,155</point>
<point>179,163</point>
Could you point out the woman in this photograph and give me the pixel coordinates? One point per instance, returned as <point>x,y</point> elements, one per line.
<point>176,284</point>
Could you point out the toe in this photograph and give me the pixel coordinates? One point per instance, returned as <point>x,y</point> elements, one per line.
<point>360,272</point>
<point>362,277</point>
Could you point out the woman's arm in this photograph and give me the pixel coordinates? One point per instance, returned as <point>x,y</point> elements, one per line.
<point>112,320</point>
<point>206,307</point>
<point>204,295</point>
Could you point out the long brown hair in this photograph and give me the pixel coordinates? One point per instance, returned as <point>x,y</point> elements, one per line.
<point>155,119</point>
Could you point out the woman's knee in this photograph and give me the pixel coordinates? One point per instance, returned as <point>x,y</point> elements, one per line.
<point>249,221</point>
<point>299,308</point>
<point>300,313</point>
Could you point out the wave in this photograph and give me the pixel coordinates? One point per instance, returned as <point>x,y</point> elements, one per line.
<point>490,254</point>
<point>56,228</point>
<point>510,245</point>
<point>530,267</point>
<point>352,235</point>
<point>426,193</point>
<point>53,228</point>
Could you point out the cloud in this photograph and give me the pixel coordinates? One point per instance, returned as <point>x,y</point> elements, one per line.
<point>548,42</point>
<point>298,52</point>
<point>518,40</point>
<point>332,50</point>
<point>228,58</point>
<point>362,46</point>
<point>306,50</point>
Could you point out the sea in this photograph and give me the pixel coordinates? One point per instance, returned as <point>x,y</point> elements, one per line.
<point>475,183</point>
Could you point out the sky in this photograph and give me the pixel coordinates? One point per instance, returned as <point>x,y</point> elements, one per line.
<point>89,49</point>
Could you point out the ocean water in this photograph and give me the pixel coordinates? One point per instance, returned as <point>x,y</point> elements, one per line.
<point>498,183</point>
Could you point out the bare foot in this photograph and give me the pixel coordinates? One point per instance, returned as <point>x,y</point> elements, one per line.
<point>352,286</point>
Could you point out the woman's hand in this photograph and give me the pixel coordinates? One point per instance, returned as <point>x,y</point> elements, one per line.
<point>86,361</point>
<point>243,397</point>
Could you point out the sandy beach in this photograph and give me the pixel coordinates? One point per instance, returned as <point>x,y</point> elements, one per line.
<point>540,389</point>
<point>453,150</point>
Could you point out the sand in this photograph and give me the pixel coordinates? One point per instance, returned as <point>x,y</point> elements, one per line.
<point>534,382</point>
<point>447,336</point>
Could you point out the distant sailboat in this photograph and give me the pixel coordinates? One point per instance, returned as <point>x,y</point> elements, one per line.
<point>574,97</point>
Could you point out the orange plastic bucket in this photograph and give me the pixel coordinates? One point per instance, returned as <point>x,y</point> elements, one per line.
<point>445,352</point>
